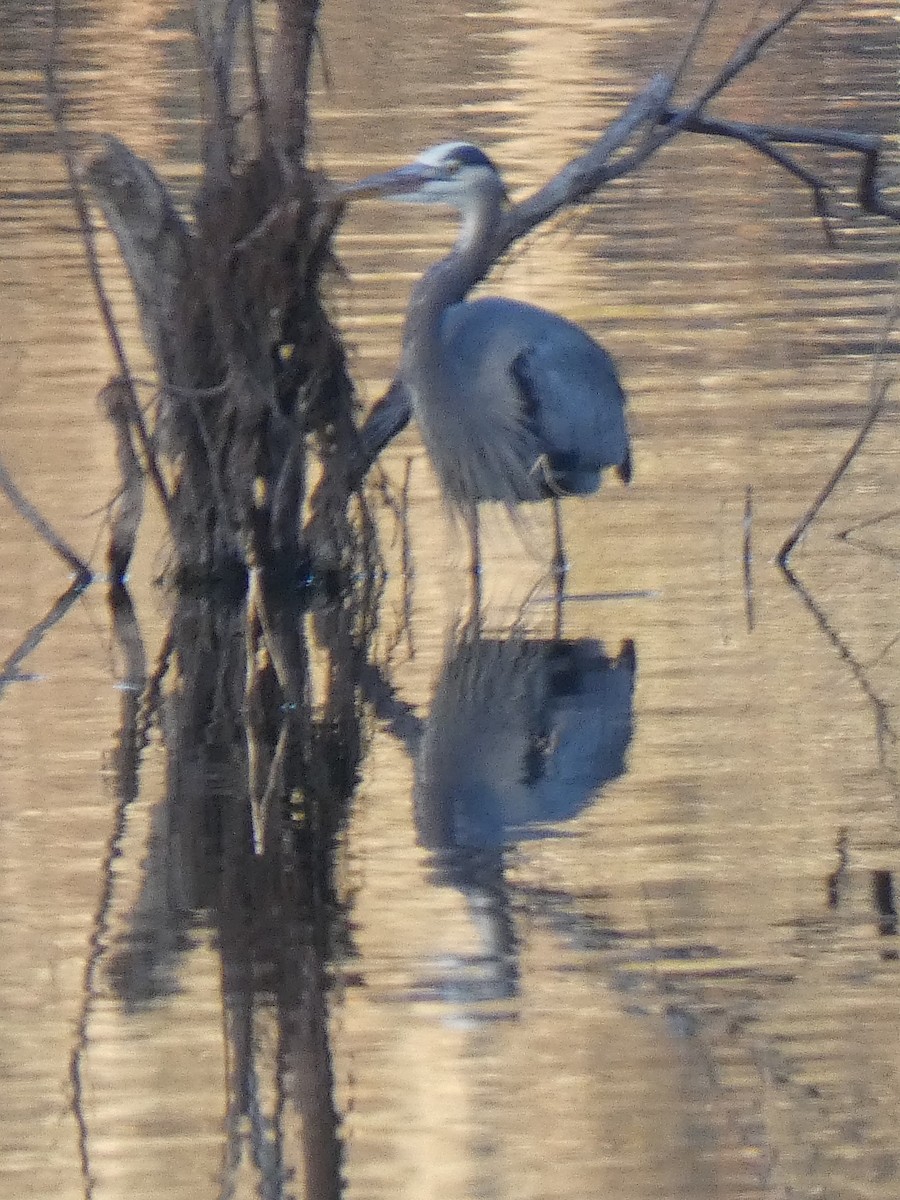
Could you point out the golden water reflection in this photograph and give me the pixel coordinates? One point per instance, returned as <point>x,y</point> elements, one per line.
<point>688,987</point>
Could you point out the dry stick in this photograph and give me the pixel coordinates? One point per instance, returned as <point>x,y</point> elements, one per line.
<point>219,50</point>
<point>885,650</point>
<point>55,106</point>
<point>129,508</point>
<point>869,146</point>
<point>694,41</point>
<point>845,534</point>
<point>259,90</point>
<point>746,53</point>
<point>296,34</point>
<point>869,420</point>
<point>881,391</point>
<point>757,137</point>
<point>873,548</point>
<point>25,508</point>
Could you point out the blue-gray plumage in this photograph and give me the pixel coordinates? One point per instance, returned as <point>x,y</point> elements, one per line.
<point>515,404</point>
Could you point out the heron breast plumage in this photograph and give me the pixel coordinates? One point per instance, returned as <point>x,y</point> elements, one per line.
<point>531,406</point>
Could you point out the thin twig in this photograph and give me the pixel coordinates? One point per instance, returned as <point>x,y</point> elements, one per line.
<point>694,41</point>
<point>891,513</point>
<point>878,379</point>
<point>56,107</point>
<point>746,53</point>
<point>747,558</point>
<point>758,138</point>
<point>585,175</point>
<point>874,412</point>
<point>23,506</point>
<point>868,145</point>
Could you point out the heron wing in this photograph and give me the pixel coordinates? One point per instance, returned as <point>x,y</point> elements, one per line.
<point>575,400</point>
<point>537,404</point>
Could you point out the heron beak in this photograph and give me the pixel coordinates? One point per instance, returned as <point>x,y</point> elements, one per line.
<point>400,182</point>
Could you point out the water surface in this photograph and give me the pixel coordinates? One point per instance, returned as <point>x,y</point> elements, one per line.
<point>644,943</point>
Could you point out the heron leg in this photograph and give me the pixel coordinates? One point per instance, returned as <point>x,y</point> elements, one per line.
<point>560,562</point>
<point>475,564</point>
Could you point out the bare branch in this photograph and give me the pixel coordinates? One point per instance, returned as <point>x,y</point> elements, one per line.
<point>885,734</point>
<point>745,54</point>
<point>761,137</point>
<point>129,507</point>
<point>23,506</point>
<point>694,41</point>
<point>875,409</point>
<point>9,668</point>
<point>758,138</point>
<point>585,174</point>
<point>293,49</point>
<point>56,107</point>
<point>220,47</point>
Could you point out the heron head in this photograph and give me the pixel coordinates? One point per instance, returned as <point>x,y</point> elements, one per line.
<point>453,173</point>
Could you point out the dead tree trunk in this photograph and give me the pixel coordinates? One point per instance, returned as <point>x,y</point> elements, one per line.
<point>251,372</point>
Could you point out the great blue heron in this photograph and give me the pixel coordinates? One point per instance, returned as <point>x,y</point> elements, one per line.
<point>514,403</point>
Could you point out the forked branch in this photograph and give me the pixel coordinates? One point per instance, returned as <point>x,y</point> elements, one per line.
<point>651,109</point>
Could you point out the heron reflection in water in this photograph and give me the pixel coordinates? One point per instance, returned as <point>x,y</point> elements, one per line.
<point>522,735</point>
<point>515,404</point>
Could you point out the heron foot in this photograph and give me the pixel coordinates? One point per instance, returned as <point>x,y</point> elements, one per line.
<point>560,568</point>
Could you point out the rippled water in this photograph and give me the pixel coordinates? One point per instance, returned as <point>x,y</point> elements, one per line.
<point>617,914</point>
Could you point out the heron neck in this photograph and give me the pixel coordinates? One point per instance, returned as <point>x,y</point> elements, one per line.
<point>449,281</point>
